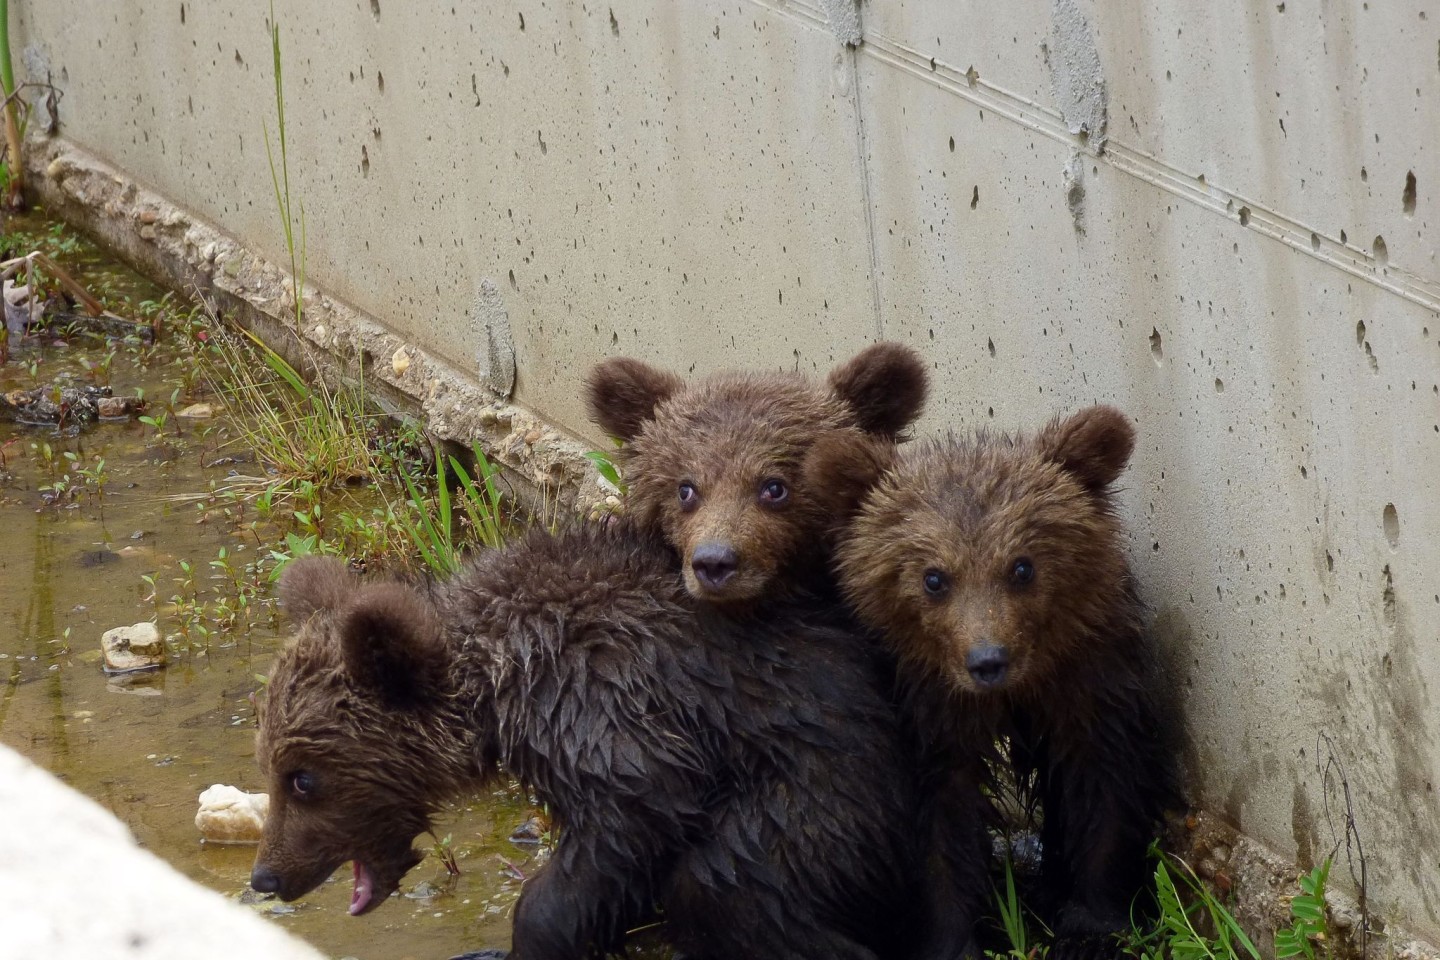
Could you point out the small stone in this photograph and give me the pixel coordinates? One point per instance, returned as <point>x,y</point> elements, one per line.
<point>147,232</point>
<point>111,407</point>
<point>230,815</point>
<point>138,647</point>
<point>532,435</point>
<point>197,411</point>
<point>400,362</point>
<point>148,216</point>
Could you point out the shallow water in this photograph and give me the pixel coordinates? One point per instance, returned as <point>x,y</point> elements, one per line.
<point>146,748</point>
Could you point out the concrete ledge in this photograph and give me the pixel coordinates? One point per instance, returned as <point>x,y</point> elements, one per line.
<point>76,886</point>
<point>177,248</point>
<point>1257,884</point>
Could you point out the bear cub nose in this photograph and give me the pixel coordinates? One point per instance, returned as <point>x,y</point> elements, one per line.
<point>714,564</point>
<point>987,665</point>
<point>264,880</point>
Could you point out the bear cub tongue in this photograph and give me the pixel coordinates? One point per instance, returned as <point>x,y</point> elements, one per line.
<point>364,888</point>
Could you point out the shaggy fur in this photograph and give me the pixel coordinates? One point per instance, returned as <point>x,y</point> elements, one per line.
<point>996,568</point>
<point>735,441</point>
<point>747,777</point>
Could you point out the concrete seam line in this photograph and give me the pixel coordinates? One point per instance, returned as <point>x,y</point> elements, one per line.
<point>1300,237</point>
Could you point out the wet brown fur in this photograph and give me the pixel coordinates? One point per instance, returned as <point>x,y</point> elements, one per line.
<point>731,433</point>
<point>748,776</point>
<point>1079,704</point>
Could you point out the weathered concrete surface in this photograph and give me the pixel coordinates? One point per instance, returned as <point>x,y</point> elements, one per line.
<point>74,886</point>
<point>1246,263</point>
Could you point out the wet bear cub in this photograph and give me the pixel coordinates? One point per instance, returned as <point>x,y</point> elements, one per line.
<point>747,778</point>
<point>717,465</point>
<point>996,568</point>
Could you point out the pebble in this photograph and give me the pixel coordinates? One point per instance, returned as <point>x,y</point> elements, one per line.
<point>197,411</point>
<point>137,647</point>
<point>230,815</point>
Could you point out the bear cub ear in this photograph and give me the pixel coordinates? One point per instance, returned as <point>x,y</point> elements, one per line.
<point>842,467</point>
<point>884,385</point>
<point>1094,444</point>
<point>314,583</point>
<point>393,645</point>
<point>623,394</point>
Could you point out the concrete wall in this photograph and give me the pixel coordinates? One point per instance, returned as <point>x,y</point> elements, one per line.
<point>1215,215</point>
<point>78,887</point>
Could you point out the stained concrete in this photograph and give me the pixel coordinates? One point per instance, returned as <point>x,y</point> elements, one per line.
<point>77,887</point>
<point>1246,263</point>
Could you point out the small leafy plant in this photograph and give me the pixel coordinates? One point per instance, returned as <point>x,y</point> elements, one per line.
<point>1200,929</point>
<point>1307,910</point>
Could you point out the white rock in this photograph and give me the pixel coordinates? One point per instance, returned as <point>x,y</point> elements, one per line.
<point>230,815</point>
<point>197,411</point>
<point>138,647</point>
<point>400,362</point>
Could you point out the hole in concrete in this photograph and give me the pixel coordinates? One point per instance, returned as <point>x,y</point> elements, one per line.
<point>990,345</point>
<point>614,24</point>
<point>1407,199</point>
<point>375,8</point>
<point>182,14</point>
<point>1157,346</point>
<point>1244,216</point>
<point>1380,252</point>
<point>952,144</point>
<point>1360,333</point>
<point>364,161</point>
<point>1364,175</point>
<point>380,80</point>
<point>1390,519</point>
<point>975,197</point>
<point>522,22</point>
<point>1219,385</point>
<point>1315,241</point>
<point>513,284</point>
<point>1343,237</point>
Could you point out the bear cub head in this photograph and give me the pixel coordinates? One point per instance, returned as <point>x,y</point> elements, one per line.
<point>718,465</point>
<point>345,736</point>
<point>987,561</point>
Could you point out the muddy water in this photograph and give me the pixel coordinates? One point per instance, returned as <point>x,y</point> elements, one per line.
<point>73,568</point>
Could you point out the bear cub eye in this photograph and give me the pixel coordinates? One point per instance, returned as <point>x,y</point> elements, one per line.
<point>689,496</point>
<point>302,785</point>
<point>773,492</point>
<point>1022,572</point>
<point>936,583</point>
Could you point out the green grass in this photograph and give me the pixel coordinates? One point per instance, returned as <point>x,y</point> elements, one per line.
<point>431,523</point>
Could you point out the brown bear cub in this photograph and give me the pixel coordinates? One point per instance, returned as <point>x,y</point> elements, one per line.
<point>747,778</point>
<point>996,569</point>
<point>717,465</point>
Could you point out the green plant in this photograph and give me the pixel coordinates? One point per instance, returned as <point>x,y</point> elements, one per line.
<point>1307,909</point>
<point>1023,945</point>
<point>13,171</point>
<point>297,546</point>
<point>609,473</point>
<point>281,180</point>
<point>446,854</point>
<point>481,505</point>
<point>1202,929</point>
